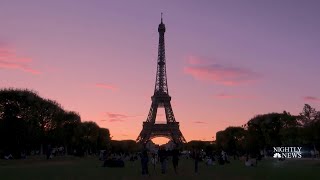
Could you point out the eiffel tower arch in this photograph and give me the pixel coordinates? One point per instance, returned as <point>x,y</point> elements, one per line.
<point>161,99</point>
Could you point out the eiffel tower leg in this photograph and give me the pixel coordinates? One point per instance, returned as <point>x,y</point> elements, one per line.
<point>176,133</point>
<point>152,113</point>
<point>145,134</point>
<point>169,112</point>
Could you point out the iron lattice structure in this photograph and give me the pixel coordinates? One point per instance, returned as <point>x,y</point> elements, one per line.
<point>161,98</point>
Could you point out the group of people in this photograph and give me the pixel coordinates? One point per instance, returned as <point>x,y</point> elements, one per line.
<point>162,156</point>
<point>54,151</point>
<point>116,159</point>
<point>314,153</point>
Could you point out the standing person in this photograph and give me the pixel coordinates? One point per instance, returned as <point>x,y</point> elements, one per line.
<point>223,155</point>
<point>163,159</point>
<point>196,157</point>
<point>49,151</point>
<point>154,161</point>
<point>175,159</point>
<point>144,162</point>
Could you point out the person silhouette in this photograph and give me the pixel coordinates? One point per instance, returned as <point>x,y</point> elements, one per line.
<point>175,159</point>
<point>49,150</point>
<point>163,160</point>
<point>196,157</point>
<point>144,162</point>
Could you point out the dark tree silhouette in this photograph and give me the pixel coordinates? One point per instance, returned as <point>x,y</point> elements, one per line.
<point>273,129</point>
<point>29,122</point>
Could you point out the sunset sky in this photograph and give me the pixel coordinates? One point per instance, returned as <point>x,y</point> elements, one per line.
<point>226,60</point>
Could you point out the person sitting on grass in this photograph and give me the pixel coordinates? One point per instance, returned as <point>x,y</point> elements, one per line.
<point>209,161</point>
<point>9,156</point>
<point>23,155</point>
<point>316,153</point>
<point>247,162</point>
<point>250,162</point>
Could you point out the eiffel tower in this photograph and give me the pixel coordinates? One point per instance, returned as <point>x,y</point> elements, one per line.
<point>161,99</point>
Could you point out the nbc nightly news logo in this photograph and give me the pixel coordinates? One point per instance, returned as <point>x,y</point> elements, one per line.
<point>287,152</point>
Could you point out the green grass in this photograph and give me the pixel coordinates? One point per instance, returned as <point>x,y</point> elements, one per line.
<point>90,168</point>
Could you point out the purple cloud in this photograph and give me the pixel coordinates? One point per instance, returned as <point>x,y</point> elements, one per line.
<point>221,74</point>
<point>311,98</point>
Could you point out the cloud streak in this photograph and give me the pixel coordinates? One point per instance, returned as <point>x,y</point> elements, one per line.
<point>200,122</point>
<point>220,74</point>
<point>115,117</point>
<point>311,98</point>
<point>10,60</point>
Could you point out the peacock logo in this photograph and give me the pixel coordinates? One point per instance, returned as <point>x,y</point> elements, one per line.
<point>277,155</point>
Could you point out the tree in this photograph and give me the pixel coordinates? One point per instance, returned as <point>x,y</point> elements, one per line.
<point>103,140</point>
<point>27,122</point>
<point>125,146</point>
<point>231,139</point>
<point>308,115</point>
<point>290,133</point>
<point>310,121</point>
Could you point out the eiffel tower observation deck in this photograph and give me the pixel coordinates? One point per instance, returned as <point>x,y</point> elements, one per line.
<point>161,99</point>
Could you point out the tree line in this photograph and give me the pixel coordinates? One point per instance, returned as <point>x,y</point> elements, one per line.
<point>266,131</point>
<point>29,123</point>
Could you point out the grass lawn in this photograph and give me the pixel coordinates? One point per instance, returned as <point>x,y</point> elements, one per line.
<point>90,168</point>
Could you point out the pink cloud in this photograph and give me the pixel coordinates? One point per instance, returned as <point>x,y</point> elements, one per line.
<point>10,60</point>
<point>311,98</point>
<point>114,117</point>
<point>106,86</point>
<point>221,74</point>
<point>200,122</point>
<point>230,96</point>
<point>116,120</point>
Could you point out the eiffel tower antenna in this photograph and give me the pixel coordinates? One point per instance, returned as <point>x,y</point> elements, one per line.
<point>161,99</point>
<point>161,18</point>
